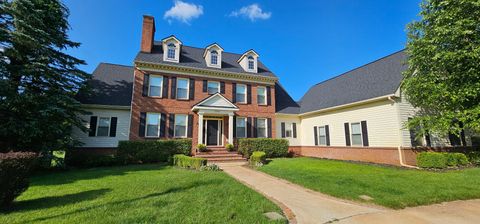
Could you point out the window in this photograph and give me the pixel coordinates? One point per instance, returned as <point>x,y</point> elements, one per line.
<point>322,136</point>
<point>171,51</point>
<point>261,127</point>
<point>356,134</point>
<point>262,95</point>
<point>153,124</point>
<point>103,127</point>
<point>155,85</point>
<point>182,88</point>
<point>213,57</point>
<point>251,63</point>
<point>241,94</point>
<point>288,130</point>
<point>213,87</point>
<point>180,126</point>
<point>241,127</point>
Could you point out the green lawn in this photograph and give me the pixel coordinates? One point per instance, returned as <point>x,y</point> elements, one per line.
<point>138,194</point>
<point>388,186</point>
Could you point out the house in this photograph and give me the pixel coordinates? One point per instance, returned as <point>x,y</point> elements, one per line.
<point>214,97</point>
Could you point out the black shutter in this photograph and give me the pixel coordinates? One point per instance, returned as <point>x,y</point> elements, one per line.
<point>113,126</point>
<point>269,96</point>
<point>173,91</point>
<point>234,92</point>
<point>146,81</point>
<point>165,87</point>
<point>294,127</point>
<point>347,134</point>
<point>249,127</point>
<point>462,137</point>
<point>427,139</point>
<point>205,86</point>
<point>364,133</point>
<point>283,129</point>
<point>327,135</point>
<point>254,125</point>
<point>315,134</point>
<point>191,91</point>
<point>163,124</point>
<point>269,127</point>
<point>234,126</point>
<point>171,125</point>
<point>249,94</point>
<point>93,126</point>
<point>222,87</point>
<point>141,127</point>
<point>190,126</point>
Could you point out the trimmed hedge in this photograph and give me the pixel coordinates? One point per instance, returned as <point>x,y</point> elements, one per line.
<point>188,162</point>
<point>151,151</point>
<point>15,168</point>
<point>441,160</point>
<point>258,158</point>
<point>271,147</point>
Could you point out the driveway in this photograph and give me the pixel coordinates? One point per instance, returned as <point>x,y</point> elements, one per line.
<point>302,205</point>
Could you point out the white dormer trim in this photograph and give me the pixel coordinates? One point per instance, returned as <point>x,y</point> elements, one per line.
<point>171,42</point>
<point>246,57</point>
<point>207,55</point>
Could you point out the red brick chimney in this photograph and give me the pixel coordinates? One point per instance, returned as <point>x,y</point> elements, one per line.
<point>148,33</point>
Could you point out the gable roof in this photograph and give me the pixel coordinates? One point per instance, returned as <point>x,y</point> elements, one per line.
<point>378,78</point>
<point>216,100</point>
<point>210,46</point>
<point>193,57</point>
<point>283,101</point>
<point>251,51</point>
<point>110,84</point>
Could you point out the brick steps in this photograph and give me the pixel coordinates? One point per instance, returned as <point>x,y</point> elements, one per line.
<point>220,154</point>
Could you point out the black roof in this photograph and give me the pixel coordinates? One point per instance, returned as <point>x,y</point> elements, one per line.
<point>193,57</point>
<point>284,102</point>
<point>110,85</point>
<point>378,78</point>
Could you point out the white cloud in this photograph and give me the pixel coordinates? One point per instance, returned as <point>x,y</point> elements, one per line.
<point>253,12</point>
<point>183,11</point>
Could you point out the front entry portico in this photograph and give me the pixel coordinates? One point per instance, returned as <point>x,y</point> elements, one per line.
<point>211,112</point>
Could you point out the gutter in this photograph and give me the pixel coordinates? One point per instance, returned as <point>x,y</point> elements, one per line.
<point>400,157</point>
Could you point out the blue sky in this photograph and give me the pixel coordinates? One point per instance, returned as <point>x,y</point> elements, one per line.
<point>302,42</point>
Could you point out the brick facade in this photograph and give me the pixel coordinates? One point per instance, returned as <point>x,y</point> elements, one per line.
<point>174,106</point>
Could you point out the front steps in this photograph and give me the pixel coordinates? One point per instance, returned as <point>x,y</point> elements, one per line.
<point>220,155</point>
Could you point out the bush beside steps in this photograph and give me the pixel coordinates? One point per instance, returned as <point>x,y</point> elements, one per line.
<point>258,158</point>
<point>184,161</point>
<point>439,160</point>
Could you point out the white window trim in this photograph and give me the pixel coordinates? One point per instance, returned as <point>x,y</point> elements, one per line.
<point>175,126</point>
<point>248,64</point>
<point>159,124</point>
<point>266,100</point>
<point>318,130</point>
<point>236,132</point>
<point>161,85</point>
<point>188,89</point>
<point>208,82</point>
<point>246,93</point>
<point>211,57</point>
<point>109,126</point>
<point>288,124</point>
<point>351,134</point>
<point>266,126</point>
<point>174,55</point>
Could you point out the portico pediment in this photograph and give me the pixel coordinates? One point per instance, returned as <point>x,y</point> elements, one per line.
<point>216,102</point>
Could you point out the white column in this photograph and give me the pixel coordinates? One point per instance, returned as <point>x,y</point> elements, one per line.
<point>230,128</point>
<point>200,127</point>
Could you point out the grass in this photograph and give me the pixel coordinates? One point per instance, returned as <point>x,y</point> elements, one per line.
<point>388,186</point>
<point>138,194</point>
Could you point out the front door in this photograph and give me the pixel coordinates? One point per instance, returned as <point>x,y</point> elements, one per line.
<point>212,132</point>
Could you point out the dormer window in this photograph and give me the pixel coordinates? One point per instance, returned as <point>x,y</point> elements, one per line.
<point>251,63</point>
<point>214,57</point>
<point>171,51</point>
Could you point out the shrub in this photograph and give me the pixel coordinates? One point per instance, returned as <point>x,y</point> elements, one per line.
<point>152,151</point>
<point>258,158</point>
<point>212,167</point>
<point>15,168</point>
<point>188,162</point>
<point>202,147</point>
<point>431,160</point>
<point>451,159</point>
<point>461,158</point>
<point>84,159</point>
<point>474,157</point>
<point>271,147</point>
<point>230,147</point>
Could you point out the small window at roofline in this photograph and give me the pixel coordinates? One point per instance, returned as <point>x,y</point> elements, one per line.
<point>171,51</point>
<point>251,63</point>
<point>214,57</point>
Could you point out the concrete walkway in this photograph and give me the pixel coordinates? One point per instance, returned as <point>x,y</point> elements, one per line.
<point>306,206</point>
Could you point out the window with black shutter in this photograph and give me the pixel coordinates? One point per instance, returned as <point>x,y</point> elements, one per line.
<point>93,126</point>
<point>113,126</point>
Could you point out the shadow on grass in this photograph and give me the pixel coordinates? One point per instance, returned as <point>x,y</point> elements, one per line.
<point>70,176</point>
<point>56,201</point>
<point>148,196</point>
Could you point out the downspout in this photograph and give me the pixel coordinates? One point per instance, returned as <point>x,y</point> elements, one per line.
<point>400,157</point>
